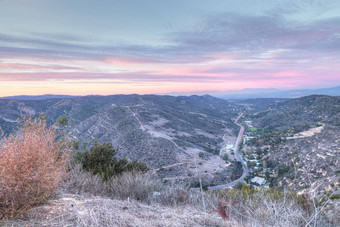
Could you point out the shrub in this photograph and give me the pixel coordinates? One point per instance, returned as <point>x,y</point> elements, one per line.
<point>335,196</point>
<point>101,160</point>
<point>33,163</point>
<point>81,182</point>
<point>176,194</point>
<point>239,185</point>
<point>133,185</point>
<point>63,120</point>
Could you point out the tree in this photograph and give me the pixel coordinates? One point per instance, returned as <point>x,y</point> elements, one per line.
<point>101,160</point>
<point>239,185</point>
<point>63,120</point>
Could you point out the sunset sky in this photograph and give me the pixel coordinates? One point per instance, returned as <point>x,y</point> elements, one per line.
<point>81,47</point>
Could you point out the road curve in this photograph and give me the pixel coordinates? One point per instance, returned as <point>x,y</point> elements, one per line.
<point>238,157</point>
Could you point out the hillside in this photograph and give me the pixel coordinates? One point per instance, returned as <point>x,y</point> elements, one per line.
<point>277,93</point>
<point>167,133</point>
<point>257,105</point>
<point>300,114</point>
<point>298,142</point>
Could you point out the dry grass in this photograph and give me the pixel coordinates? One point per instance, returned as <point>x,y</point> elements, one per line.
<point>246,207</point>
<point>264,208</point>
<point>160,205</point>
<point>32,165</point>
<point>268,208</point>
<point>77,211</point>
<point>72,210</point>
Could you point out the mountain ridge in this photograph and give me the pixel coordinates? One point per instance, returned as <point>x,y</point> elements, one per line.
<point>247,93</point>
<point>162,131</point>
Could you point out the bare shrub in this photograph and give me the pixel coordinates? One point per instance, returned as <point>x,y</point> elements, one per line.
<point>133,185</point>
<point>177,194</point>
<point>142,187</point>
<point>33,163</point>
<point>81,182</point>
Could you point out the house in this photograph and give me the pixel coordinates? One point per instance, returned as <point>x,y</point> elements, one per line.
<point>259,180</point>
<point>249,123</point>
<point>247,138</point>
<point>229,147</point>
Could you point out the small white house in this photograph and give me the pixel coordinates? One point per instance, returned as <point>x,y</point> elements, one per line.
<point>259,180</point>
<point>249,123</point>
<point>229,147</point>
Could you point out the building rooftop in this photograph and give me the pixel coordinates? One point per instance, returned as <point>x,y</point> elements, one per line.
<point>259,180</point>
<point>229,146</point>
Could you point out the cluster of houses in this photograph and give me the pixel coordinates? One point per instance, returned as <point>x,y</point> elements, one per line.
<point>255,165</point>
<point>249,134</point>
<point>253,159</point>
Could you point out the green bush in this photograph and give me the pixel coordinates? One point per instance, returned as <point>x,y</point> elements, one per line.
<point>239,185</point>
<point>335,197</point>
<point>283,169</point>
<point>101,160</point>
<point>63,120</point>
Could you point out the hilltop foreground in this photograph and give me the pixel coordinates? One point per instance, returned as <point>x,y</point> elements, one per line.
<point>73,210</point>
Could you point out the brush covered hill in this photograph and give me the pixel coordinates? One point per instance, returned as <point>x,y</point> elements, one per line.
<point>301,113</point>
<point>300,142</point>
<point>260,104</point>
<point>170,134</point>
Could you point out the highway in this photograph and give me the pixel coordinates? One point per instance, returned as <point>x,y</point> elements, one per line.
<point>238,157</point>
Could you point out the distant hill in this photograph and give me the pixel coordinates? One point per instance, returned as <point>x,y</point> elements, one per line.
<point>248,93</point>
<point>300,113</point>
<point>276,93</point>
<point>258,104</point>
<point>38,97</point>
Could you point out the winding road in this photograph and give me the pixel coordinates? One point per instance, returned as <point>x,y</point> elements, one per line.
<point>238,157</point>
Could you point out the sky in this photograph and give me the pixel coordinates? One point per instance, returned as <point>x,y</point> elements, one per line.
<point>82,47</point>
